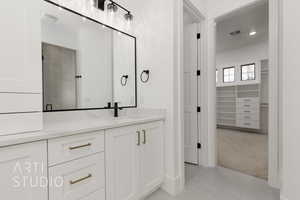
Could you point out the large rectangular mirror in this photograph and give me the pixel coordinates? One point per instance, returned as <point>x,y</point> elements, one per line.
<point>86,65</point>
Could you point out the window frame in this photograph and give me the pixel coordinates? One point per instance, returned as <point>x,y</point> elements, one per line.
<point>253,72</point>
<point>232,67</point>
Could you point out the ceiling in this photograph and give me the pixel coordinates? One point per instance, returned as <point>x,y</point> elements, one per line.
<point>254,18</point>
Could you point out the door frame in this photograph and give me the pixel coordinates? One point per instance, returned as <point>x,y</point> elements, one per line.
<point>198,85</point>
<point>208,124</point>
<point>188,6</point>
<point>179,76</point>
<point>275,91</point>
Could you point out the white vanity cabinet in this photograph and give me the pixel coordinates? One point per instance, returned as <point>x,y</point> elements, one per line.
<point>20,50</point>
<point>134,161</point>
<point>124,162</point>
<point>21,67</point>
<point>23,172</point>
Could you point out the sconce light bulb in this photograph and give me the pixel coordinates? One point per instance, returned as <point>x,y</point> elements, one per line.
<point>111,7</point>
<point>128,17</point>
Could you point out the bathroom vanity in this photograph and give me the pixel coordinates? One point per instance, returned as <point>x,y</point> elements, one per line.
<point>92,158</point>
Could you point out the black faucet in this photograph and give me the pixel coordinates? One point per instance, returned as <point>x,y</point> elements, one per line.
<point>116,109</point>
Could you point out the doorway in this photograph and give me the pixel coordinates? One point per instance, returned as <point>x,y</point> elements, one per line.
<point>59,77</point>
<point>242,90</point>
<point>192,87</point>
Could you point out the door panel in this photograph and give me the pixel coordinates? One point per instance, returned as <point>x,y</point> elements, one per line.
<point>151,157</point>
<point>122,169</point>
<point>190,93</point>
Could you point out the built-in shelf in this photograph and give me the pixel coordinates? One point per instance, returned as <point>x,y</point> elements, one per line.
<point>231,108</point>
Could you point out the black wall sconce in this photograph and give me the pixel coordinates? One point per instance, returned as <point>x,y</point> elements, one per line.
<point>124,80</point>
<point>145,75</point>
<point>113,7</point>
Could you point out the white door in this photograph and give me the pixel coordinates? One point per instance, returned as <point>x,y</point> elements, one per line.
<point>23,171</point>
<point>191,93</point>
<point>122,168</point>
<point>151,157</point>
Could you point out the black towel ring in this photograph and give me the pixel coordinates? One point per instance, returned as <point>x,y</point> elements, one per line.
<point>145,80</point>
<point>124,79</point>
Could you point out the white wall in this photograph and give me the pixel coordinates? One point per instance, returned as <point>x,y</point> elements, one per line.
<point>56,35</point>
<point>247,54</point>
<point>291,99</point>
<point>217,8</point>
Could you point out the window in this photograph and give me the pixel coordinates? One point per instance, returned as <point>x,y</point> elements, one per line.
<point>248,72</point>
<point>217,76</point>
<point>228,74</point>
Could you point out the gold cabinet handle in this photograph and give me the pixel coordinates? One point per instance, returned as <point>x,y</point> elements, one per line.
<point>80,146</point>
<point>139,138</point>
<point>81,179</point>
<point>145,137</point>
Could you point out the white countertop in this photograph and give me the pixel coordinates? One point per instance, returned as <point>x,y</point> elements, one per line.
<point>66,124</point>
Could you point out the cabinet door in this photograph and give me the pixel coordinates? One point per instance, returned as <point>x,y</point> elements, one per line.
<point>151,157</point>
<point>23,172</point>
<point>20,50</point>
<point>122,163</point>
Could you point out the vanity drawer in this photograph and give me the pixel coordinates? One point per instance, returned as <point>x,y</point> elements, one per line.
<point>69,148</point>
<point>252,117</point>
<point>252,124</point>
<point>247,110</point>
<point>248,100</point>
<point>78,179</point>
<point>248,105</point>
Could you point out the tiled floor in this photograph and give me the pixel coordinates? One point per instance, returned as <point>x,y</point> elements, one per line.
<point>244,152</point>
<point>220,184</point>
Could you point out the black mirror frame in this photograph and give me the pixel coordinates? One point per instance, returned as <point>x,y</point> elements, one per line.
<point>107,26</point>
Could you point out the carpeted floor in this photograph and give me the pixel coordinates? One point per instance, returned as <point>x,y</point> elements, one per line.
<point>244,152</point>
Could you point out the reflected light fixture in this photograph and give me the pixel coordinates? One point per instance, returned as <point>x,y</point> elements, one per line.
<point>112,7</point>
<point>252,33</point>
<point>128,17</point>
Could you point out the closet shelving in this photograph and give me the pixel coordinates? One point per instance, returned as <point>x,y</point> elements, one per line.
<point>226,106</point>
<point>238,106</point>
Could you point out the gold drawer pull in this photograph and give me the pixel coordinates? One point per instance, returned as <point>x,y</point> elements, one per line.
<point>80,146</point>
<point>139,138</point>
<point>81,179</point>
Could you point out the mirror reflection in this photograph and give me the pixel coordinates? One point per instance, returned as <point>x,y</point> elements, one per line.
<point>85,65</point>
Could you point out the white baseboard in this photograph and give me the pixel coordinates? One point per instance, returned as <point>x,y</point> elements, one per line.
<point>172,185</point>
